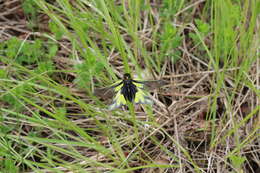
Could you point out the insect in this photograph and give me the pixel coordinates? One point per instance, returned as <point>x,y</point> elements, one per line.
<point>129,90</point>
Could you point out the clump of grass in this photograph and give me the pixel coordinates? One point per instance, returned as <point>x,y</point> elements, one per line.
<point>205,120</point>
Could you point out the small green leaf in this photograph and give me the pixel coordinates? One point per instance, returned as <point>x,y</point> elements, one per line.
<point>170,40</point>
<point>3,74</point>
<point>29,7</point>
<point>98,67</point>
<point>203,27</point>
<point>13,46</point>
<point>44,66</point>
<point>237,161</point>
<point>194,38</point>
<point>53,49</point>
<point>9,166</point>
<point>56,30</point>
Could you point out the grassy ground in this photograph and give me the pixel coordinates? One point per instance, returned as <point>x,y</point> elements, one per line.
<point>54,55</point>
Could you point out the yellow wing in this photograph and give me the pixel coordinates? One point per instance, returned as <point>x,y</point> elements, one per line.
<point>119,99</point>
<point>141,97</point>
